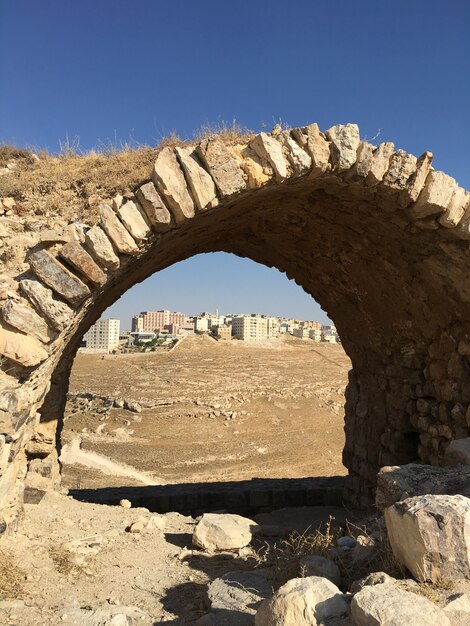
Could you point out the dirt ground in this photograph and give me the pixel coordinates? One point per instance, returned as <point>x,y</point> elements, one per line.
<point>211,411</point>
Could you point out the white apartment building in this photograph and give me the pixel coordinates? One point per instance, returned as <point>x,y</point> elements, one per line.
<point>250,327</point>
<point>102,337</point>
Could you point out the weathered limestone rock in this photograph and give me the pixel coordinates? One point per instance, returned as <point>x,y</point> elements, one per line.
<point>454,212</point>
<point>402,166</point>
<point>134,221</point>
<point>269,149</point>
<point>313,141</point>
<point>430,535</point>
<point>344,144</point>
<point>235,598</point>
<point>223,532</point>
<point>380,163</point>
<point>299,159</point>
<point>26,319</point>
<point>222,165</point>
<point>200,182</point>
<point>169,180</point>
<point>319,566</point>
<point>42,298</point>
<point>302,602</point>
<point>101,248</point>
<point>78,257</point>
<point>396,483</point>
<point>157,213</point>
<point>458,602</point>
<point>118,234</point>
<point>58,277</point>
<point>20,348</point>
<point>416,181</point>
<point>457,453</point>
<point>386,605</point>
<point>435,196</point>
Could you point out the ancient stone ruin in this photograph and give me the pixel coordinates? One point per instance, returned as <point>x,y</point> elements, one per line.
<point>377,236</point>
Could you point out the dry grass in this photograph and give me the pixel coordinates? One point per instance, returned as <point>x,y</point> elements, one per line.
<point>71,185</point>
<point>11,577</point>
<point>63,561</point>
<point>284,557</point>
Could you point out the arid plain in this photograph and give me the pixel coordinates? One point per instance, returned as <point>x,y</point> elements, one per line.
<point>211,411</point>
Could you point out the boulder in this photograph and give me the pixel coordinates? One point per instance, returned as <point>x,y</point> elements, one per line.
<point>430,535</point>
<point>458,602</point>
<point>319,566</point>
<point>395,483</point>
<point>235,598</point>
<point>302,602</point>
<point>457,453</point>
<point>386,605</point>
<point>223,531</point>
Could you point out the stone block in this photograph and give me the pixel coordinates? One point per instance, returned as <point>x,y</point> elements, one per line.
<point>224,168</point>
<point>42,298</point>
<point>386,605</point>
<point>435,196</point>
<point>101,248</point>
<point>456,208</point>
<point>132,218</point>
<point>417,180</point>
<point>402,166</point>
<point>24,318</point>
<point>20,348</point>
<point>58,278</point>
<point>76,255</point>
<point>169,180</point>
<point>457,453</point>
<point>430,536</point>
<point>303,602</point>
<point>314,142</point>
<point>119,235</point>
<point>223,531</point>
<point>157,213</point>
<point>269,149</point>
<point>344,144</point>
<point>200,182</point>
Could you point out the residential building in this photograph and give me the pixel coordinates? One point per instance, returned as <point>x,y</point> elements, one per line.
<point>201,324</point>
<point>140,336</point>
<point>102,337</point>
<point>250,327</point>
<point>302,332</point>
<point>155,321</point>
<point>224,331</point>
<point>314,334</point>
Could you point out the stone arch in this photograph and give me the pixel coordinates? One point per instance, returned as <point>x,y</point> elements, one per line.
<point>375,235</point>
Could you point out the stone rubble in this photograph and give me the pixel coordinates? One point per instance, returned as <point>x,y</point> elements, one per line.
<point>223,531</point>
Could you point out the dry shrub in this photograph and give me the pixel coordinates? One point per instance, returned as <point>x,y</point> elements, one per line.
<point>284,557</point>
<point>11,577</point>
<point>64,563</point>
<point>72,184</point>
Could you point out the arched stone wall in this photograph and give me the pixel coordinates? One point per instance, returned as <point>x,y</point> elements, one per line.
<point>375,235</point>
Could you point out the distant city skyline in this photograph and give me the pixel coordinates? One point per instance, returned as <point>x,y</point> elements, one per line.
<point>217,281</point>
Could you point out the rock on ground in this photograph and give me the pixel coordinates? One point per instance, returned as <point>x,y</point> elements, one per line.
<point>430,535</point>
<point>386,605</point>
<point>223,531</point>
<point>302,602</point>
<point>319,566</point>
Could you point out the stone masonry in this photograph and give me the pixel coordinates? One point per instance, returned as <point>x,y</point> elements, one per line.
<point>377,236</point>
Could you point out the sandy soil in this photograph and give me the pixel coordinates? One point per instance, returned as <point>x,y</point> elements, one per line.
<point>222,411</point>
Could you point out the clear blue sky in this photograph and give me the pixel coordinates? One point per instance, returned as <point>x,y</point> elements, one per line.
<point>111,70</point>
